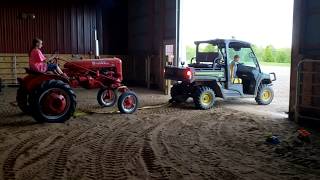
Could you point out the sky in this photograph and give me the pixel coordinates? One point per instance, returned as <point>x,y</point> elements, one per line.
<point>260,22</point>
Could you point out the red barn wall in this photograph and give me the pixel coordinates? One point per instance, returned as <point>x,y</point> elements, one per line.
<point>66,28</point>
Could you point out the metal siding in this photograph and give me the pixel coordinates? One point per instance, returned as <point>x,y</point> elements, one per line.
<point>66,28</point>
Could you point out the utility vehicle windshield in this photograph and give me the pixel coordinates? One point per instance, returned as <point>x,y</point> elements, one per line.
<point>246,54</point>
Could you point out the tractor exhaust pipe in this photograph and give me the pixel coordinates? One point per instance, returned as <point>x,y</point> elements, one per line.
<point>96,53</point>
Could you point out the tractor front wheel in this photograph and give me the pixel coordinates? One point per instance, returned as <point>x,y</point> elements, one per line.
<point>107,97</point>
<point>54,102</point>
<point>128,102</point>
<point>204,98</point>
<point>22,100</point>
<point>265,95</point>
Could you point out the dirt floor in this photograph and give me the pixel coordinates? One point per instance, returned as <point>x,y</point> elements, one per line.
<point>171,142</point>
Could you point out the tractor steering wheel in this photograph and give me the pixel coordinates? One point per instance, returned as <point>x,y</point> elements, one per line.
<point>54,59</point>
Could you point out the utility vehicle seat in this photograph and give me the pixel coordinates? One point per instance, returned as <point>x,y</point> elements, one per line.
<point>198,65</point>
<point>206,60</point>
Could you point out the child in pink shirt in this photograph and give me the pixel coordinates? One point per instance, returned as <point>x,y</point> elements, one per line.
<point>37,59</point>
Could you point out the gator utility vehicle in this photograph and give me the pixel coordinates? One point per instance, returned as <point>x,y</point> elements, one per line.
<point>212,73</point>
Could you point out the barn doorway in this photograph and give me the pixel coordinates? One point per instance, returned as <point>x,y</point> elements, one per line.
<point>266,24</point>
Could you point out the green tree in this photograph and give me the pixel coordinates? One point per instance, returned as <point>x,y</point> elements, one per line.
<point>268,55</point>
<point>210,48</point>
<point>190,53</point>
<point>283,55</point>
<point>258,51</point>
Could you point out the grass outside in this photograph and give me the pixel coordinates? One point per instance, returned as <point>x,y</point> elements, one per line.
<point>275,64</point>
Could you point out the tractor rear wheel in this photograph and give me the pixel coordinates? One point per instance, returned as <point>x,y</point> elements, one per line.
<point>22,100</point>
<point>178,93</point>
<point>204,98</point>
<point>107,97</point>
<point>128,102</point>
<point>265,95</point>
<point>54,102</point>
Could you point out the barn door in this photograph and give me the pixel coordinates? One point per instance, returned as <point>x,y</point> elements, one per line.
<point>167,58</point>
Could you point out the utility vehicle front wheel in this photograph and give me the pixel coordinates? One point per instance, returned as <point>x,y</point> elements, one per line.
<point>265,95</point>
<point>54,102</point>
<point>204,98</point>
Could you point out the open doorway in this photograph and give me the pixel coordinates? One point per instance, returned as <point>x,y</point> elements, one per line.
<point>266,24</point>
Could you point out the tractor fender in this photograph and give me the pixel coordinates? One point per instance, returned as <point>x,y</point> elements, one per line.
<point>31,82</point>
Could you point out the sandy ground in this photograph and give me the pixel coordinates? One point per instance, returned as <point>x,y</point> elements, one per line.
<point>172,142</point>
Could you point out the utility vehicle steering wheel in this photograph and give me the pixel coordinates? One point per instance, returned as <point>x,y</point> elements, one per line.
<point>192,59</point>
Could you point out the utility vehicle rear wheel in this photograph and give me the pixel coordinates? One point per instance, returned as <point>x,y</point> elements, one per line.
<point>22,100</point>
<point>178,93</point>
<point>204,98</point>
<point>54,102</point>
<point>128,102</point>
<point>265,95</point>
<point>107,97</point>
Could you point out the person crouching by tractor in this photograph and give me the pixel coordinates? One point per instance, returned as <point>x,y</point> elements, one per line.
<point>37,59</point>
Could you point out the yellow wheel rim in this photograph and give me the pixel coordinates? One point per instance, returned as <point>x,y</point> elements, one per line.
<point>206,98</point>
<point>266,95</point>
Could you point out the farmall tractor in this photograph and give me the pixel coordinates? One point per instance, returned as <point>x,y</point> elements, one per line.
<point>49,97</point>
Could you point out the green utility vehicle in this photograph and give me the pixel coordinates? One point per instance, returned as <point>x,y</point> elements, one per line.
<point>213,73</point>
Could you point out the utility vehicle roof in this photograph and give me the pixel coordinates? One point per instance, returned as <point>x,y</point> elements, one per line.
<point>225,41</point>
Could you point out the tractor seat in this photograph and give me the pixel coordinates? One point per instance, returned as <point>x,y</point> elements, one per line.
<point>30,71</point>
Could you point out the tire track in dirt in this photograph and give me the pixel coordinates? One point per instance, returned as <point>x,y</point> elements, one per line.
<point>215,133</point>
<point>23,146</point>
<point>149,158</point>
<point>37,157</point>
<point>174,168</point>
<point>96,168</point>
<point>191,124</point>
<point>223,134</point>
<point>123,148</point>
<point>60,156</point>
<point>114,156</point>
<point>135,144</point>
<point>163,110</point>
<point>32,171</point>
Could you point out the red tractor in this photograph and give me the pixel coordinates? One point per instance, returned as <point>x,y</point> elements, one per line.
<point>49,97</point>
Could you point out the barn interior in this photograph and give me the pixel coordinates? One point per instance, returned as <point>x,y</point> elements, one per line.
<point>160,140</point>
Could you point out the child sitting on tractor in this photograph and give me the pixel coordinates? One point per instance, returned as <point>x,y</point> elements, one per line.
<point>37,59</point>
